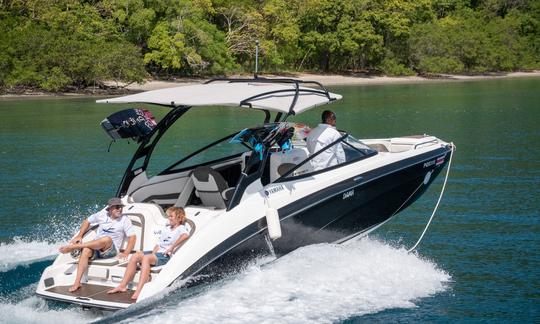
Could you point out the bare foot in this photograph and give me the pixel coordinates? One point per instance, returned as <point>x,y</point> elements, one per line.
<point>135,295</point>
<point>117,290</point>
<point>74,288</point>
<point>65,249</point>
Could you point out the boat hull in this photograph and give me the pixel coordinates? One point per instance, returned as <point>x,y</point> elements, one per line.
<point>345,210</point>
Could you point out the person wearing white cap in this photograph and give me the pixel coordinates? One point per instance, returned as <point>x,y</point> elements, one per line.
<point>113,226</point>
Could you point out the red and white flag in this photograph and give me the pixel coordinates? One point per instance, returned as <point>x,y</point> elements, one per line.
<point>440,160</point>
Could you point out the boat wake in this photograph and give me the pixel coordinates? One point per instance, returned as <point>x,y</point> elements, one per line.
<point>42,245</point>
<point>318,283</point>
<point>23,252</point>
<point>37,310</point>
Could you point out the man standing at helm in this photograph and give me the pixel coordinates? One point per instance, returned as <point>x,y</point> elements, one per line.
<point>321,136</point>
<point>113,227</point>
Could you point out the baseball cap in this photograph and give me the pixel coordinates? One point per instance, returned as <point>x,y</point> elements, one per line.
<point>114,202</point>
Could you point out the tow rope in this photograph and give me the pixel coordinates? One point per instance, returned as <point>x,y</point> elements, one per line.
<point>439,200</point>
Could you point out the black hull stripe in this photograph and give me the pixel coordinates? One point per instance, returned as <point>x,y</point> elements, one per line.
<point>352,183</point>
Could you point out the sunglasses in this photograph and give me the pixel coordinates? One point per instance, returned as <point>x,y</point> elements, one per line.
<point>116,207</point>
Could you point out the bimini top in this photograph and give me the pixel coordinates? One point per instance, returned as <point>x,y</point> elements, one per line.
<point>280,95</point>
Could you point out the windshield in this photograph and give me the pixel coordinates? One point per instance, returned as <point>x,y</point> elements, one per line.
<point>215,151</point>
<point>180,147</point>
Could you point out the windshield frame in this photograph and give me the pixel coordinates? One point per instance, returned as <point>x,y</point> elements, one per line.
<point>285,177</point>
<point>171,170</point>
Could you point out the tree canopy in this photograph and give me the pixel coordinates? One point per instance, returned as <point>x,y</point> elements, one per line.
<point>78,43</point>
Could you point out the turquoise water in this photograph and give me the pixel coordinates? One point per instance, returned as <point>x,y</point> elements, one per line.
<point>478,262</point>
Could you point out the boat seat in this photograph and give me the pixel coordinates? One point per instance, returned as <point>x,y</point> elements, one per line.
<point>210,187</point>
<point>405,143</point>
<point>191,232</point>
<point>282,162</point>
<point>284,168</point>
<point>378,147</point>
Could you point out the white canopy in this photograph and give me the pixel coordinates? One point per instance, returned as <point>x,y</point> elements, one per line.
<point>232,94</point>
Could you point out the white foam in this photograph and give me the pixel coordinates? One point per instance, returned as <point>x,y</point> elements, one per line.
<point>318,283</point>
<point>35,310</point>
<point>25,252</point>
<point>42,245</point>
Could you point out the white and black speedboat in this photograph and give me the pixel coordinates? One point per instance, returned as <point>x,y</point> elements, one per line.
<point>256,193</point>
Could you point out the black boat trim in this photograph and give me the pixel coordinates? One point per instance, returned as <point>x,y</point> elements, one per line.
<point>322,196</point>
<point>147,146</point>
<point>171,169</point>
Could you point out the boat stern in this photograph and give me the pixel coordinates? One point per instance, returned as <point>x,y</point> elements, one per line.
<point>56,281</point>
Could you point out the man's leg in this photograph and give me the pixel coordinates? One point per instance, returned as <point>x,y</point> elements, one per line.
<point>102,243</point>
<point>129,274</point>
<point>86,254</point>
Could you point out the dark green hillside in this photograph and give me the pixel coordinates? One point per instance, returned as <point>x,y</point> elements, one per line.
<point>62,44</point>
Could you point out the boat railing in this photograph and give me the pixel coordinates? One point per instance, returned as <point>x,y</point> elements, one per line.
<point>247,102</point>
<point>434,141</point>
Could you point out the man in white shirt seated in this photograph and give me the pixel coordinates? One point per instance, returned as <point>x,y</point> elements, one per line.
<point>113,226</point>
<point>321,136</point>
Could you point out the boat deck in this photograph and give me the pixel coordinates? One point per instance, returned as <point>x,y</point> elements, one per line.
<point>96,292</point>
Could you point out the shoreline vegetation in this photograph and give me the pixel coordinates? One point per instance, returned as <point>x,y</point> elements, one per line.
<point>327,80</point>
<point>74,46</point>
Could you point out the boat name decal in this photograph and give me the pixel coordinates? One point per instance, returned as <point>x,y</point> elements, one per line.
<point>348,194</point>
<point>273,190</point>
<point>436,162</point>
<point>428,164</point>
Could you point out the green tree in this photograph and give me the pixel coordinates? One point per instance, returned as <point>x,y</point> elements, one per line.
<point>243,25</point>
<point>53,45</point>
<point>63,44</point>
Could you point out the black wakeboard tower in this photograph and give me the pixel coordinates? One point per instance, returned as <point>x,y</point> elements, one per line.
<point>320,89</point>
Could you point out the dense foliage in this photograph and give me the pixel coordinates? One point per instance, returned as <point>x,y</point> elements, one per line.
<point>54,44</point>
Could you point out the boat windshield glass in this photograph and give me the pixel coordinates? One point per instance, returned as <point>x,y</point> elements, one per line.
<point>361,149</point>
<point>179,147</point>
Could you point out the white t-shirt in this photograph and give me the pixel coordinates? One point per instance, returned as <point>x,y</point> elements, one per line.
<point>169,236</point>
<point>116,229</point>
<point>318,138</point>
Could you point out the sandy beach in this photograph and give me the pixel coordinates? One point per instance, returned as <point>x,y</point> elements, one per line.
<point>337,79</point>
<point>325,79</point>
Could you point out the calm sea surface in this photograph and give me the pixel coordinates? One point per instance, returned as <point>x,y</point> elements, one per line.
<point>480,260</point>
